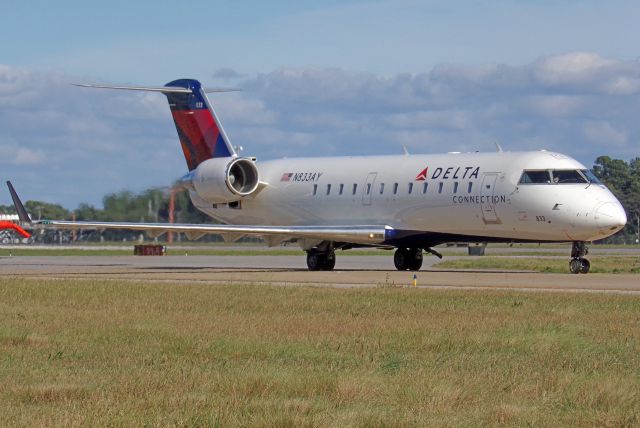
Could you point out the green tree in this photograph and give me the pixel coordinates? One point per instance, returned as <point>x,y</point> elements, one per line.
<point>623,179</point>
<point>86,212</point>
<point>44,210</point>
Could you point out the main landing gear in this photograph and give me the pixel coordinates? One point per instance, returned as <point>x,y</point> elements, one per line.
<point>408,258</point>
<point>578,263</point>
<point>323,257</point>
<point>321,260</point>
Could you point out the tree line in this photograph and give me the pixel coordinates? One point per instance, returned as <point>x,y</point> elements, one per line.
<point>152,205</point>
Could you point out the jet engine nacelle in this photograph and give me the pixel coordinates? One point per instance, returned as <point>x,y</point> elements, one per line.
<point>220,180</point>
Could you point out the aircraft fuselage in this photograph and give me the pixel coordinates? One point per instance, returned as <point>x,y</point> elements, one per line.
<point>470,195</point>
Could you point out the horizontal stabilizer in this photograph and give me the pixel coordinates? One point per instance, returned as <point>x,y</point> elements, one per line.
<point>200,132</point>
<point>163,89</point>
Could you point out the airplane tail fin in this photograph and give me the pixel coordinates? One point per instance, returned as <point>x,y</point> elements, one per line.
<point>17,203</point>
<point>199,130</point>
<point>201,134</point>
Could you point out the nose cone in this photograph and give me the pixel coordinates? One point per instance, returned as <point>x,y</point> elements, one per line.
<point>610,216</point>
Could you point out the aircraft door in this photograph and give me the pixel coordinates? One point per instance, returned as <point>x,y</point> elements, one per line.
<point>489,215</point>
<point>367,189</point>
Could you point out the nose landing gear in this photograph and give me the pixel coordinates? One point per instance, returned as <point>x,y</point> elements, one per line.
<point>578,263</point>
<point>408,258</point>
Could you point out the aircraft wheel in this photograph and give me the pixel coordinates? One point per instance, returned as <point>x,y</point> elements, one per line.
<point>584,266</point>
<point>579,265</point>
<point>408,258</point>
<point>314,261</point>
<point>574,265</point>
<point>321,261</point>
<point>401,259</point>
<point>329,261</point>
<point>415,260</point>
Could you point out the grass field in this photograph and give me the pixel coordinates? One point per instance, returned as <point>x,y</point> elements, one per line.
<point>132,354</point>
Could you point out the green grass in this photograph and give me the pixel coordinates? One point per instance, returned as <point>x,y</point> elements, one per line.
<point>21,252</point>
<point>599,264</point>
<point>108,353</point>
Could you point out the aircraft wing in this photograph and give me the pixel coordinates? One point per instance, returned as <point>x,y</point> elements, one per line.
<point>357,234</point>
<point>274,235</point>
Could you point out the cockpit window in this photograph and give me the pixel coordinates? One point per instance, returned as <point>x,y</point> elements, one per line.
<point>567,176</point>
<point>535,177</point>
<point>590,176</point>
<point>558,176</point>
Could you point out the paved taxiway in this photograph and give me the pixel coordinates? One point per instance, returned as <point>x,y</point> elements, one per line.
<point>351,271</point>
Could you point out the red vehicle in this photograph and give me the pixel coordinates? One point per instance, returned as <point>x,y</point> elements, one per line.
<point>18,229</point>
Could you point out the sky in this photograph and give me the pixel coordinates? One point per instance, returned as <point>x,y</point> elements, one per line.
<point>318,78</point>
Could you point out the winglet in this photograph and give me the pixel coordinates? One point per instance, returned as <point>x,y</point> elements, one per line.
<point>17,203</point>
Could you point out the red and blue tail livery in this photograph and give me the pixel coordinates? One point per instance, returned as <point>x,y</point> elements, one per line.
<point>199,130</point>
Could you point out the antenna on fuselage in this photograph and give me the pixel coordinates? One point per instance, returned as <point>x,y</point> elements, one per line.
<point>404,150</point>
<point>498,147</point>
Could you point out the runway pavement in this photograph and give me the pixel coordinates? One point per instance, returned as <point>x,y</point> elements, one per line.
<point>351,271</point>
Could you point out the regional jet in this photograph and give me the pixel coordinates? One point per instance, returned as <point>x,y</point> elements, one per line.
<point>410,203</point>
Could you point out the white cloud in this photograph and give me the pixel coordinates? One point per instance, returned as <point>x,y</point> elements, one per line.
<point>71,135</point>
<point>571,67</point>
<point>243,111</point>
<point>29,157</point>
<point>556,105</point>
<point>542,104</point>
<point>447,119</point>
<point>12,154</point>
<point>623,85</point>
<point>226,74</point>
<point>604,134</point>
<point>577,103</point>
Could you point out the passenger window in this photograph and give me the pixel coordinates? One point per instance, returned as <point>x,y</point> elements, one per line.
<point>368,188</point>
<point>395,188</point>
<point>567,176</point>
<point>535,177</point>
<point>328,189</point>
<point>455,187</point>
<point>381,188</point>
<point>470,187</point>
<point>440,187</point>
<point>315,189</point>
<point>424,188</point>
<point>355,188</point>
<point>340,189</point>
<point>410,188</point>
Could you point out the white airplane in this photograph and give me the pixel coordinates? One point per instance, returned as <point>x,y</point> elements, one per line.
<point>408,202</point>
